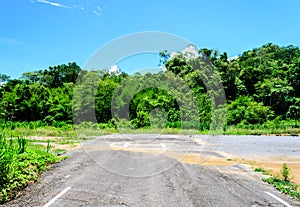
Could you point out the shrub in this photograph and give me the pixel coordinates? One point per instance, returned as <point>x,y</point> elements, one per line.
<point>286,172</point>
<point>19,164</point>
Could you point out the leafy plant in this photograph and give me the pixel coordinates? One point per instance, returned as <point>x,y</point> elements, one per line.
<point>261,170</point>
<point>22,145</point>
<point>48,146</point>
<point>284,185</point>
<point>286,172</point>
<point>20,164</point>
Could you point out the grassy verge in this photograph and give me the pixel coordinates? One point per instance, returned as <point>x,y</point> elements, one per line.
<point>85,130</point>
<point>21,164</point>
<point>234,130</point>
<point>281,182</point>
<point>283,127</point>
<point>286,187</point>
<point>276,127</point>
<point>23,160</point>
<point>67,131</point>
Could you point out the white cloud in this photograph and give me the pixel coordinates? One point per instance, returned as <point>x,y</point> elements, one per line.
<point>233,58</point>
<point>98,11</point>
<point>190,52</point>
<point>54,4</point>
<point>78,7</point>
<point>114,69</point>
<point>88,6</point>
<point>173,54</point>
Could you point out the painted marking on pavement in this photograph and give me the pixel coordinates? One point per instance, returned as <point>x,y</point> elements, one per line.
<point>163,145</point>
<point>67,176</point>
<point>57,197</point>
<point>278,199</point>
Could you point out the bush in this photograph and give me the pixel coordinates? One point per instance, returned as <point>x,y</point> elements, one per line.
<point>286,172</point>
<point>19,165</point>
<point>246,111</point>
<point>285,186</point>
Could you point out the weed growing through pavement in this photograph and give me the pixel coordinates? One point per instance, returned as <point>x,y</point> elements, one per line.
<point>282,182</point>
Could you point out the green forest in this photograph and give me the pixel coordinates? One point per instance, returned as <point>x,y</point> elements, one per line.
<point>262,89</point>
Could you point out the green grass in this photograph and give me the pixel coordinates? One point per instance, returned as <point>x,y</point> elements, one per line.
<point>263,171</point>
<point>282,182</point>
<point>286,187</point>
<point>269,127</point>
<point>59,151</point>
<point>22,160</point>
<point>85,130</point>
<point>157,131</point>
<point>234,130</point>
<point>282,127</point>
<point>20,164</point>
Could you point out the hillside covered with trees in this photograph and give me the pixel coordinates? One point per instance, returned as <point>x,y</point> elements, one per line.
<point>261,85</point>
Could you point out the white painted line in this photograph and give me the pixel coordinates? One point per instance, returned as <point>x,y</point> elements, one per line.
<point>278,199</point>
<point>57,197</point>
<point>67,176</point>
<point>126,145</point>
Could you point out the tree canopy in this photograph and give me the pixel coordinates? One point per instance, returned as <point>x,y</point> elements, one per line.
<point>260,85</point>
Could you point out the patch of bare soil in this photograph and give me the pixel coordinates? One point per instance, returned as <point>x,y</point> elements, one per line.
<point>71,146</point>
<point>54,146</point>
<point>270,164</point>
<point>42,138</point>
<point>274,164</point>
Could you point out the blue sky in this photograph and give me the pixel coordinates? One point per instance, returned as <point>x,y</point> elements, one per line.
<point>35,34</point>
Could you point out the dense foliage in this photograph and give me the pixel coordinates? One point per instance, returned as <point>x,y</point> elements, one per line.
<point>19,165</point>
<point>260,85</point>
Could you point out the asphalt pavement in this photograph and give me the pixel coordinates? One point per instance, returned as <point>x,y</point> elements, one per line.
<point>103,173</point>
